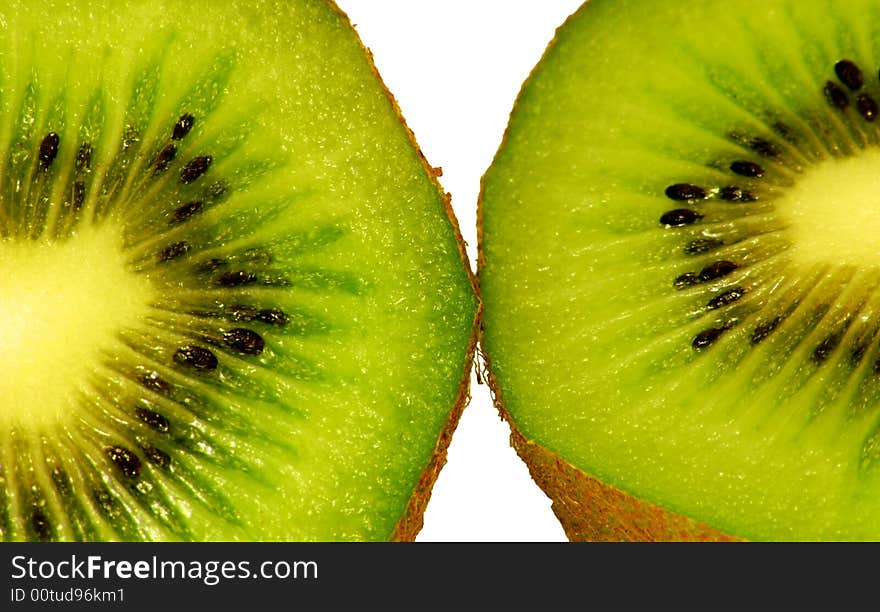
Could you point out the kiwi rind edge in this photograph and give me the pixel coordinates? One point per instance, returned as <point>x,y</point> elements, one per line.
<point>410,524</point>
<point>412,519</point>
<point>590,510</point>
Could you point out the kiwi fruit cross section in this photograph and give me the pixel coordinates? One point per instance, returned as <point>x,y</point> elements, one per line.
<point>234,304</point>
<point>679,266</point>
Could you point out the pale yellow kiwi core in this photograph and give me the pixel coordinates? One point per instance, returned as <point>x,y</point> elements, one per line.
<point>62,306</point>
<point>833,212</point>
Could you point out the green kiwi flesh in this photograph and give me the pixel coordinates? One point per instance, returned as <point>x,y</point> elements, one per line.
<point>234,302</point>
<point>679,264</point>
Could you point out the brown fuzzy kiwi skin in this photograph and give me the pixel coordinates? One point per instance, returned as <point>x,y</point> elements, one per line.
<point>588,509</point>
<point>412,519</point>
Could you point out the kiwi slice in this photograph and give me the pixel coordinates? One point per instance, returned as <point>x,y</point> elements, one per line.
<point>234,301</point>
<point>679,268</point>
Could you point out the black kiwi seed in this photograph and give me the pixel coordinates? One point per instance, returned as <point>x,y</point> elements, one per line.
<point>764,147</point>
<point>127,462</point>
<point>196,357</point>
<point>685,192</point>
<point>825,348</point>
<point>40,524</point>
<point>160,458</point>
<point>79,194</point>
<point>877,366</point>
<point>173,251</point>
<point>683,281</point>
<point>238,278</point>
<point>164,159</point>
<point>785,131</point>
<point>183,126</point>
<point>702,245</point>
<point>726,298</point>
<point>849,74</point>
<point>858,353</point>
<point>153,419</point>
<point>61,481</point>
<point>48,150</point>
<point>244,341</point>
<point>836,96</point>
<point>679,217</point>
<point>195,169</point>
<point>717,270</point>
<point>763,330</point>
<point>84,157</point>
<point>747,168</point>
<point>736,194</point>
<point>867,107</point>
<point>186,211</point>
<point>707,337</point>
<point>153,382</point>
<point>273,317</point>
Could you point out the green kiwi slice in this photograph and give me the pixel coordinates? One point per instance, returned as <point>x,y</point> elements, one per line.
<point>679,270</point>
<point>234,301</point>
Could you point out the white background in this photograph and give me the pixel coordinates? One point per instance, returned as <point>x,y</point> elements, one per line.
<point>455,67</point>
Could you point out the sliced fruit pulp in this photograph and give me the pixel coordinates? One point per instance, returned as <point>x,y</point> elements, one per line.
<point>711,351</point>
<point>229,268</point>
